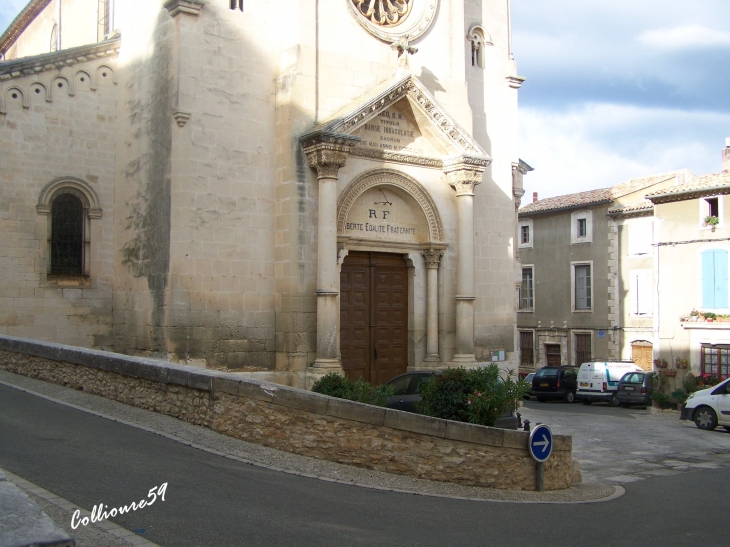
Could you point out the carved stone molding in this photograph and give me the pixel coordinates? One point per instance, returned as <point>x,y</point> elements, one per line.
<point>327,152</point>
<point>390,20</point>
<point>515,82</point>
<point>191,7</point>
<point>393,178</point>
<point>74,185</point>
<point>464,173</point>
<point>398,88</point>
<point>397,157</point>
<point>181,117</point>
<point>432,257</point>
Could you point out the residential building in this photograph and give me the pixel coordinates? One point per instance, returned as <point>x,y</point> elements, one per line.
<point>573,288</point>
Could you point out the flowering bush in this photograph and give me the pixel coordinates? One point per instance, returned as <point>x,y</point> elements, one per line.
<point>710,379</point>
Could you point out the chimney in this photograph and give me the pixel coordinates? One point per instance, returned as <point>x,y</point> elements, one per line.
<point>726,157</point>
<point>726,152</point>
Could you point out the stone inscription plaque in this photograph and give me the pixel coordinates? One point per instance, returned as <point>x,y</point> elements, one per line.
<point>395,129</point>
<point>387,213</point>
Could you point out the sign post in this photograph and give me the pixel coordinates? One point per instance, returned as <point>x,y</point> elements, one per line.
<point>540,446</point>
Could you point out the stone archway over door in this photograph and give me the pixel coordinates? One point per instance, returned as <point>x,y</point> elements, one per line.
<point>641,354</point>
<point>374,316</point>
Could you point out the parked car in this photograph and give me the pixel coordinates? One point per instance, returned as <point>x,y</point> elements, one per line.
<point>555,383</point>
<point>528,379</point>
<point>598,380</point>
<point>634,388</point>
<point>709,407</point>
<point>408,392</point>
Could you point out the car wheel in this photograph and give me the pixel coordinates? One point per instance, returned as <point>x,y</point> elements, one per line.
<point>569,397</point>
<point>614,400</point>
<point>705,418</point>
<point>586,402</point>
<point>541,399</point>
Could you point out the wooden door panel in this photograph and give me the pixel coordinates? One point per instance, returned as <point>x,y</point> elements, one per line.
<point>373,316</point>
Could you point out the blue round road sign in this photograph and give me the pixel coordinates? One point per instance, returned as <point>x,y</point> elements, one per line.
<point>541,443</point>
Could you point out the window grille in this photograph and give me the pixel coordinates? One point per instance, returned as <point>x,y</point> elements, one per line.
<point>67,235</point>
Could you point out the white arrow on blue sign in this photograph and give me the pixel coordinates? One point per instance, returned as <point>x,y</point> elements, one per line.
<point>541,443</point>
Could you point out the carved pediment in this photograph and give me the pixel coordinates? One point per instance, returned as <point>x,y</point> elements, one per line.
<point>401,121</point>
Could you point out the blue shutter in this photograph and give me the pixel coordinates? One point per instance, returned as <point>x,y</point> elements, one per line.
<point>720,259</point>
<point>708,279</point>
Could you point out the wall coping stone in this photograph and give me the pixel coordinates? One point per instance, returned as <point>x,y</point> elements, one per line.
<point>233,383</point>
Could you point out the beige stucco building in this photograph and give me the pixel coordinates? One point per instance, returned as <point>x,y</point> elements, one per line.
<point>288,189</point>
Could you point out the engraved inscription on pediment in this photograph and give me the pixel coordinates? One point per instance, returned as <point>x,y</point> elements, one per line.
<point>395,129</point>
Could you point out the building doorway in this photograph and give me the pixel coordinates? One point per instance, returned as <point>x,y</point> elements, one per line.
<point>642,353</point>
<point>374,316</point>
<point>552,355</point>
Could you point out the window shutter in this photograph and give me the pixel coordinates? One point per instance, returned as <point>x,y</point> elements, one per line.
<point>720,289</point>
<point>640,238</point>
<point>708,279</point>
<point>582,289</point>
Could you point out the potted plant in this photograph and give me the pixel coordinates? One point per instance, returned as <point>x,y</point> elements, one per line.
<point>710,316</point>
<point>712,221</point>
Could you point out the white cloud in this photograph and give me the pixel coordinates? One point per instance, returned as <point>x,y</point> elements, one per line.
<point>687,37</point>
<point>600,145</point>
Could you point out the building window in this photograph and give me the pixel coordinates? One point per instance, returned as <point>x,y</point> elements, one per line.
<point>527,290</point>
<point>583,352</point>
<point>237,4</point>
<point>54,39</point>
<point>714,278</point>
<point>525,232</point>
<point>479,39</point>
<point>640,238</point>
<point>67,235</point>
<point>640,293</point>
<point>716,360</point>
<point>582,287</point>
<point>527,349</point>
<point>711,207</point>
<point>581,230</point>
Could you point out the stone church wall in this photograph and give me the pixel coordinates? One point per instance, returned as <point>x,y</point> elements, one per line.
<point>59,122</point>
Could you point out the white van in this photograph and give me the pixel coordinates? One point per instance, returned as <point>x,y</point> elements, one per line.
<point>598,380</point>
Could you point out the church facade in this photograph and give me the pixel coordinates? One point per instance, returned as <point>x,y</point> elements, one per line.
<point>287,188</point>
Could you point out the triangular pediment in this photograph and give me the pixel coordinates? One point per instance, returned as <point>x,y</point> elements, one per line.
<point>400,117</point>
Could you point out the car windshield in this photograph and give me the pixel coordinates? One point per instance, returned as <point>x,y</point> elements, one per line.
<point>547,373</point>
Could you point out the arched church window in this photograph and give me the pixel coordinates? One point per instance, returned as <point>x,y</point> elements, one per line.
<point>67,235</point>
<point>237,4</point>
<point>54,38</point>
<point>479,39</point>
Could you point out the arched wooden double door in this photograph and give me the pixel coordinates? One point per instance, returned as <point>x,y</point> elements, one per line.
<point>374,316</point>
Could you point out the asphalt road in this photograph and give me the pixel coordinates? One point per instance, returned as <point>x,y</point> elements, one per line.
<point>214,501</point>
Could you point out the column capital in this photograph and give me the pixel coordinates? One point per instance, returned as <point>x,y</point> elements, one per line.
<point>432,257</point>
<point>464,172</point>
<point>327,152</point>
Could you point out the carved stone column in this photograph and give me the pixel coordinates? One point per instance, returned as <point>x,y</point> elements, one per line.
<point>432,257</point>
<point>327,152</point>
<point>463,174</point>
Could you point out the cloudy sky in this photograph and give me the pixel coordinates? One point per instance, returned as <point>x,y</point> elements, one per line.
<point>614,90</point>
<point>620,89</point>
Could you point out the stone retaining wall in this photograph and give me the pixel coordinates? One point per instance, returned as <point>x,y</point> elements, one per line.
<point>296,420</point>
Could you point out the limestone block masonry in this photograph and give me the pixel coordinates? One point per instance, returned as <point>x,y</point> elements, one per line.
<point>297,421</point>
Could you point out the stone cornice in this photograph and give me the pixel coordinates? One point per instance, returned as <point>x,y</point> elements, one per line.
<point>396,157</point>
<point>58,59</point>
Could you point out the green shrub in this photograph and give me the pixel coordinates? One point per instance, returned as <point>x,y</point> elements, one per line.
<point>361,391</point>
<point>690,383</point>
<point>661,398</point>
<point>679,396</point>
<point>478,396</point>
